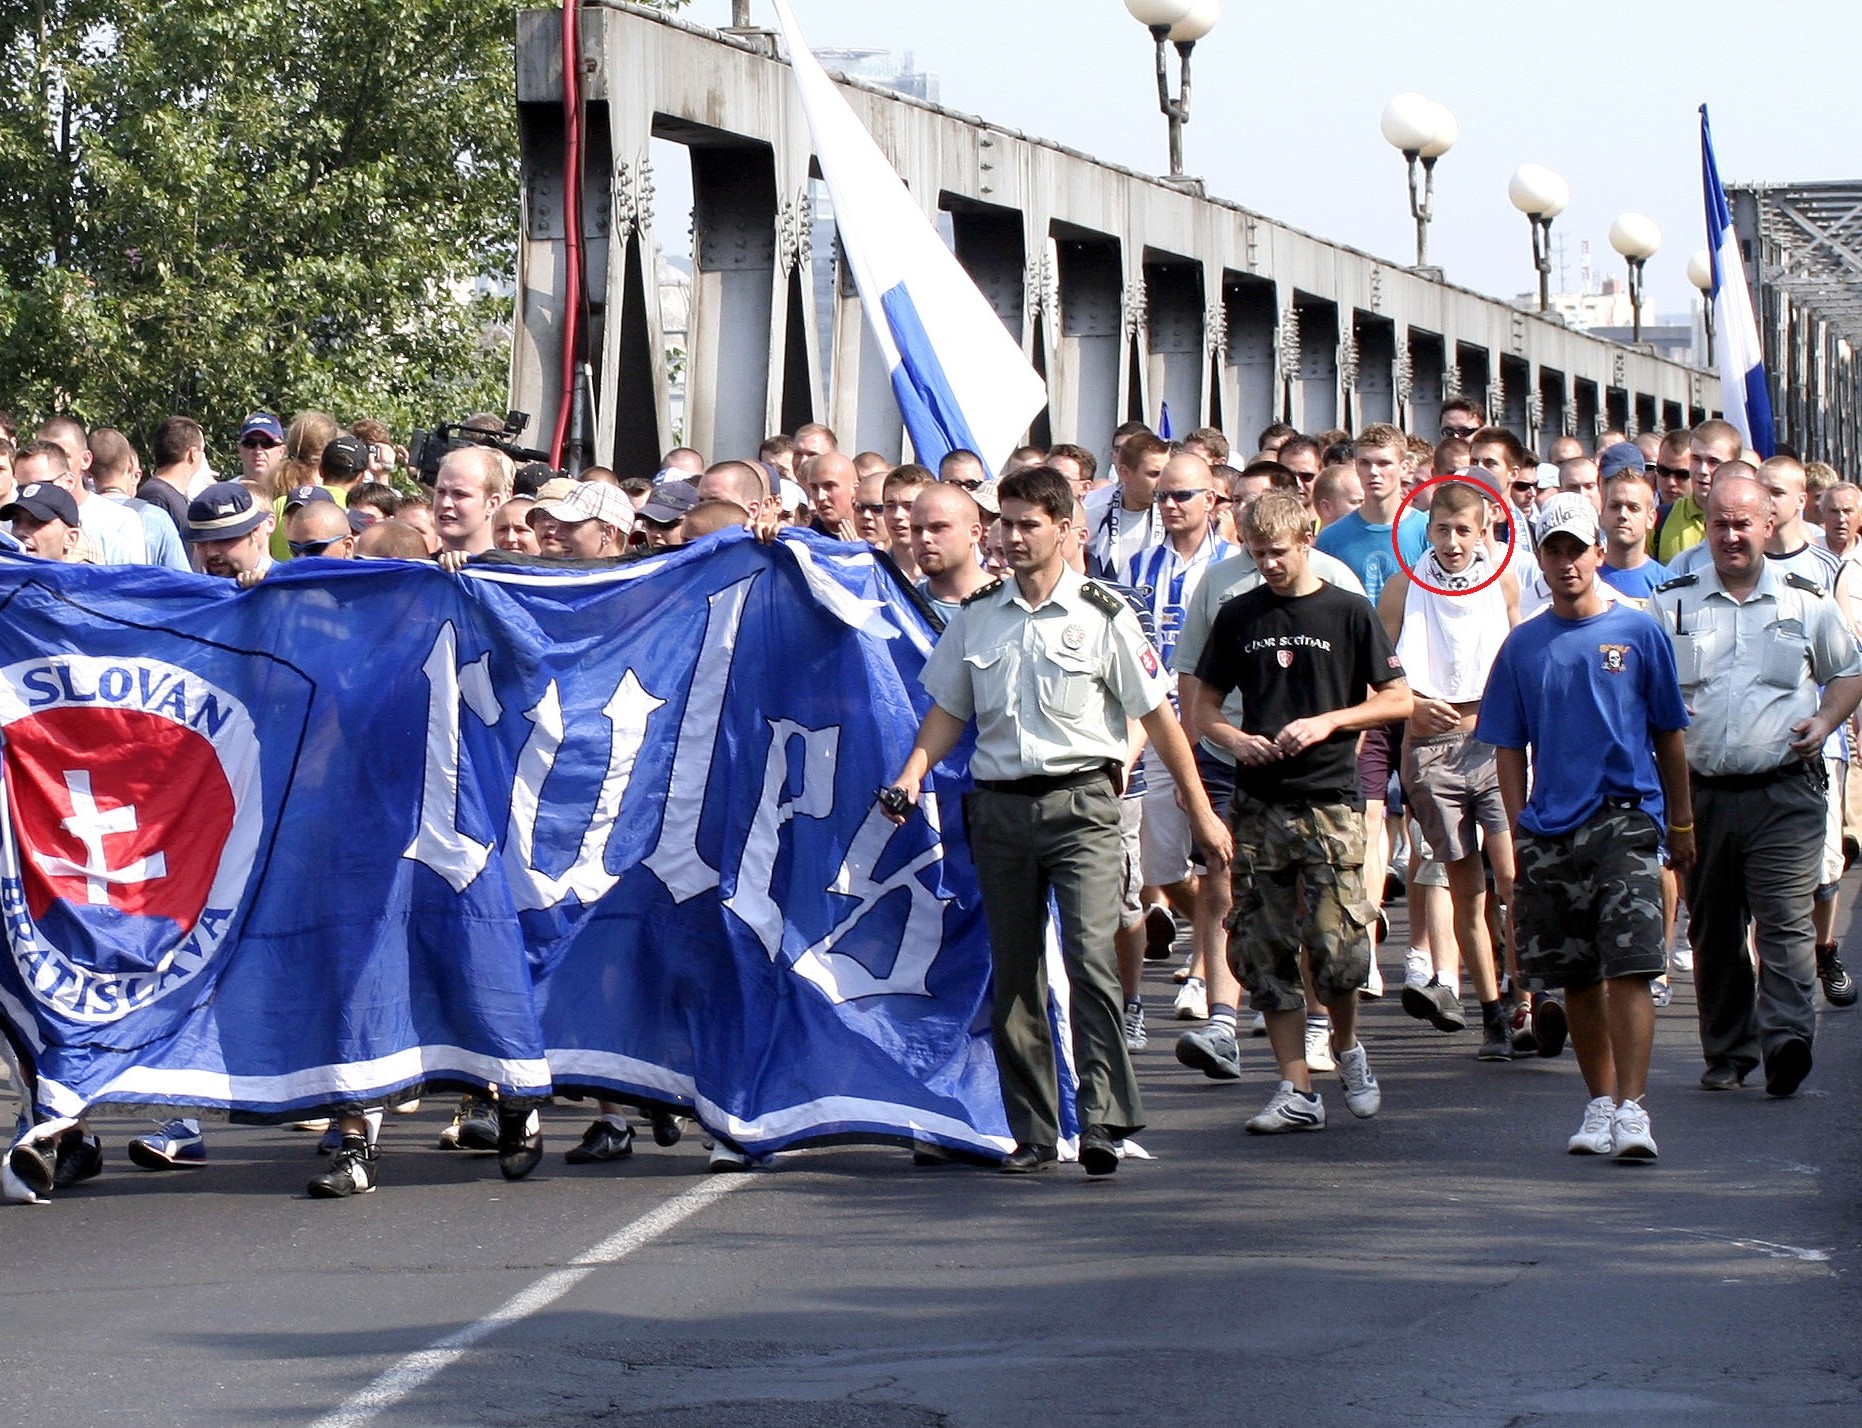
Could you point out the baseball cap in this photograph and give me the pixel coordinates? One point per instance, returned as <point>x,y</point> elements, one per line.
<point>592,501</point>
<point>344,458</point>
<point>985,496</point>
<point>262,424</point>
<point>1548,476</point>
<point>1623,456</point>
<point>43,502</point>
<point>555,488</point>
<point>1570,513</point>
<point>224,511</point>
<point>669,502</point>
<point>303,496</point>
<point>791,496</point>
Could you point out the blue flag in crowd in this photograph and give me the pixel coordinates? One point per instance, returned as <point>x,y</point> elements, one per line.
<point>960,379</point>
<point>370,824</point>
<point>1743,392</point>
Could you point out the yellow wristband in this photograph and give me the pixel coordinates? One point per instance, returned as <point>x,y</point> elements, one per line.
<point>1680,827</point>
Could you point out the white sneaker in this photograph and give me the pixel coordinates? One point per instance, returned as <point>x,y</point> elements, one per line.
<point>1594,1135</point>
<point>1257,1024</point>
<point>1319,1045</point>
<point>1362,1097</point>
<point>1289,1110</point>
<point>1136,1038</point>
<point>1629,1131</point>
<point>1418,968</point>
<point>1682,958</point>
<point>1373,987</point>
<point>1192,1002</point>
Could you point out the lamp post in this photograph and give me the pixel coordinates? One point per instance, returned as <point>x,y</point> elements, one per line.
<point>1636,237</point>
<point>1700,274</point>
<point>1541,195</point>
<point>1181,23</point>
<point>1422,130</point>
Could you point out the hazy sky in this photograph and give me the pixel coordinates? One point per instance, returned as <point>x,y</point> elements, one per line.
<point>1287,99</point>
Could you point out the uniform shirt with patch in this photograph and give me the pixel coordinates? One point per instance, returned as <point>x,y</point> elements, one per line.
<point>1051,685</point>
<point>1291,657</point>
<point>1586,697</point>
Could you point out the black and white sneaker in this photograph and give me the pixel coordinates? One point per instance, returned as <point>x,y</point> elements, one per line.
<point>602,1142</point>
<point>352,1172</point>
<point>478,1126</point>
<point>1289,1110</point>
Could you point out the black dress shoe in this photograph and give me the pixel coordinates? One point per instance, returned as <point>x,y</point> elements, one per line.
<point>520,1141</point>
<point>1722,1076</point>
<point>1787,1066</point>
<point>1026,1159</point>
<point>1097,1153</point>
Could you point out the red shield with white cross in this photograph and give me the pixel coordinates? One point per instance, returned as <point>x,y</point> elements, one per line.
<point>131,822</point>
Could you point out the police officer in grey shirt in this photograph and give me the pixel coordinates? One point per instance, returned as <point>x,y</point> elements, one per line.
<point>1752,645</point>
<point>1051,666</point>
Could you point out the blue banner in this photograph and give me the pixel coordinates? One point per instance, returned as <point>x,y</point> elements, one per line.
<point>369,825</point>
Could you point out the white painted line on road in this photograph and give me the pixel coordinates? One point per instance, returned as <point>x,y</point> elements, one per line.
<point>419,1368</point>
<point>1764,1247</point>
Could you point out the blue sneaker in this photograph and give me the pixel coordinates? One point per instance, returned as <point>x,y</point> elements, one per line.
<point>178,1145</point>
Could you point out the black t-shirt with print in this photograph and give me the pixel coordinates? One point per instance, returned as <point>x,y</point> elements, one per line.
<point>1292,657</point>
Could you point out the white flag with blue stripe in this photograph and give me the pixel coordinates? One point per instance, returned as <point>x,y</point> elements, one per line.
<point>960,379</point>
<point>1743,392</point>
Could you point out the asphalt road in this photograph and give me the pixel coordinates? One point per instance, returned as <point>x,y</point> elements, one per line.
<point>1444,1263</point>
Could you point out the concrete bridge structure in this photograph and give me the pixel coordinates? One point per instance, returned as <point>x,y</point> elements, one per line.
<point>1125,290</point>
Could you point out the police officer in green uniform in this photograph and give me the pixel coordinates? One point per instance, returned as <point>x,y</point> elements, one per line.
<point>1051,667</point>
<point>1752,644</point>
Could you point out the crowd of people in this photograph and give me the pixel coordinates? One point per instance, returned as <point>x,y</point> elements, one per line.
<point>1558,708</point>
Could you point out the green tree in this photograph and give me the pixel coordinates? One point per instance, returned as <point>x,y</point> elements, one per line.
<point>222,204</point>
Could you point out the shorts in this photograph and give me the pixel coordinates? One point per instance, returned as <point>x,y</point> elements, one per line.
<point>1831,872</point>
<point>1298,881</point>
<point>1587,905</point>
<point>1425,869</point>
<point>1377,755</point>
<point>1130,903</point>
<point>1453,784</point>
<point>1165,843</point>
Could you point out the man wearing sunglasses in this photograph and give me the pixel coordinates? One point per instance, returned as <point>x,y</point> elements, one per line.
<point>261,446</point>
<point>1460,420</point>
<point>316,526</point>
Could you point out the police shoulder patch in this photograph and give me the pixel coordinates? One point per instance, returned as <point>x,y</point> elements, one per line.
<point>1103,599</point>
<point>1680,582</point>
<point>983,594</point>
<point>1802,582</point>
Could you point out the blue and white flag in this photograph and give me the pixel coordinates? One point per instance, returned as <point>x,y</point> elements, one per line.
<point>371,825</point>
<point>1743,392</point>
<point>960,379</point>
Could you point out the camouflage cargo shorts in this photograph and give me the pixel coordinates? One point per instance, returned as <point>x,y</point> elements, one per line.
<point>1298,879</point>
<point>1587,905</point>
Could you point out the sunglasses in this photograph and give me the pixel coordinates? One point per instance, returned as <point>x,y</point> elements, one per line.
<point>1464,432</point>
<point>1680,473</point>
<point>871,508</point>
<point>258,443</point>
<point>1181,498</point>
<point>961,483</point>
<point>301,548</point>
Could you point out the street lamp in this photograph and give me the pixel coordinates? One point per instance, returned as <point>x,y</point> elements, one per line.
<point>1636,237</point>
<point>1423,131</point>
<point>1700,274</point>
<point>1182,23</point>
<point>1541,195</point>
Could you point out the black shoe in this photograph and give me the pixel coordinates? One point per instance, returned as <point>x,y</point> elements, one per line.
<point>1549,1025</point>
<point>1839,988</point>
<point>1026,1159</point>
<point>35,1163</point>
<point>352,1172</point>
<point>1496,1039</point>
<point>666,1127</point>
<point>1160,933</point>
<point>520,1141</point>
<point>1097,1153</point>
<point>478,1126</point>
<point>1436,1004</point>
<point>1722,1076</point>
<point>1786,1066</point>
<point>601,1142</point>
<point>80,1157</point>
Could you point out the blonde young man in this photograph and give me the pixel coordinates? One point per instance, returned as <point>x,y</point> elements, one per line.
<point>1447,626</point>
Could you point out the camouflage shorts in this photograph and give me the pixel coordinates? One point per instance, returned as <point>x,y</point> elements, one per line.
<point>1298,878</point>
<point>1587,905</point>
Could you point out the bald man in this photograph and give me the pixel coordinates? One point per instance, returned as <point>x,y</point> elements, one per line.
<point>831,482</point>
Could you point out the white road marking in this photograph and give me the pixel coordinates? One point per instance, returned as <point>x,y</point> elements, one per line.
<point>419,1368</point>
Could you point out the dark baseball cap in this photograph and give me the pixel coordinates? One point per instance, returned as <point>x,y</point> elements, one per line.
<point>262,424</point>
<point>344,458</point>
<point>669,502</point>
<point>304,495</point>
<point>43,502</point>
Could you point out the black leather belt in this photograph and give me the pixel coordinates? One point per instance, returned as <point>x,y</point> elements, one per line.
<point>1039,784</point>
<point>1742,783</point>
